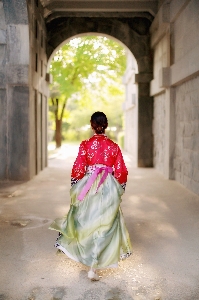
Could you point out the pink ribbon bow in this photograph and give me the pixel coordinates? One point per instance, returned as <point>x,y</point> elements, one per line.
<point>89,183</point>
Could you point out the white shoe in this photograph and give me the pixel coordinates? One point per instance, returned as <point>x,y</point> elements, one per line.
<point>93,276</point>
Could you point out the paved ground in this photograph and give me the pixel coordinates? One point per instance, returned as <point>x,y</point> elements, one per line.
<point>162,218</point>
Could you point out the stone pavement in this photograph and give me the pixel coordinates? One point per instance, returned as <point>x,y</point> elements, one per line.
<point>162,218</point>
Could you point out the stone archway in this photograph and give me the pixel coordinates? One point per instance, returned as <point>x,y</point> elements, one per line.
<point>130,104</point>
<point>27,39</point>
<point>137,39</point>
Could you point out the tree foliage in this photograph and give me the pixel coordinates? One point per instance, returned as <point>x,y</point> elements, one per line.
<point>86,72</point>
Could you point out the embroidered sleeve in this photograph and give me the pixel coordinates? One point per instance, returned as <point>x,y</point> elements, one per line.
<point>79,166</point>
<point>120,169</point>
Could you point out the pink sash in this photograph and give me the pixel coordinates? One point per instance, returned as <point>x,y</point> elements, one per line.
<point>89,183</point>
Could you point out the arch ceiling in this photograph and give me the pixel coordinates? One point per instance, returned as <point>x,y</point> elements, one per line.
<point>122,8</point>
<point>100,16</point>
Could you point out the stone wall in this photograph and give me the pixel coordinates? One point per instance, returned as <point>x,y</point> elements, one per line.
<point>185,29</point>
<point>185,59</point>
<point>159,132</point>
<point>175,41</point>
<point>186,161</point>
<point>3,97</point>
<point>159,113</point>
<point>38,88</point>
<point>23,90</point>
<point>130,108</point>
<point>14,91</point>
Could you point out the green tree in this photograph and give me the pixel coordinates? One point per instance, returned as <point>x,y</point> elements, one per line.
<point>86,63</point>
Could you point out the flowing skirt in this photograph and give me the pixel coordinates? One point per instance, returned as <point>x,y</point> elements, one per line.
<point>93,232</point>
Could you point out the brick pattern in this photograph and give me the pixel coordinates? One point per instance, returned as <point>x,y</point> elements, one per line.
<point>159,132</point>
<point>186,161</point>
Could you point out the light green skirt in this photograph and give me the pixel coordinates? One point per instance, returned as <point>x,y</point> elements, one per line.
<point>93,232</point>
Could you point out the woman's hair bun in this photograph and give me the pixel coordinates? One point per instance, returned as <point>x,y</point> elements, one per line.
<point>99,122</point>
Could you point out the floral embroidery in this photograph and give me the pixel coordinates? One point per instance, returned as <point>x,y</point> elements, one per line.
<point>99,149</point>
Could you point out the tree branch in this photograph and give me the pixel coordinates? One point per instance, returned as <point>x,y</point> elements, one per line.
<point>56,110</point>
<point>62,111</point>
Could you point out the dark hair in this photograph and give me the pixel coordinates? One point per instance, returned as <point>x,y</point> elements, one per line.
<point>99,122</point>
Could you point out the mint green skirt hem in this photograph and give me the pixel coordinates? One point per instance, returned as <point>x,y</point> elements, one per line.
<point>94,232</point>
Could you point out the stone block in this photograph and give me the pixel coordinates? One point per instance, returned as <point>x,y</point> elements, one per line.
<point>187,181</point>
<point>2,36</point>
<point>143,77</point>
<point>145,64</point>
<point>154,87</point>
<point>188,129</point>
<point>178,150</point>
<point>181,128</point>
<point>187,169</point>
<point>164,77</point>
<point>195,95</point>
<point>178,176</point>
<point>2,55</point>
<point>2,17</point>
<point>2,79</point>
<point>145,139</point>
<point>18,133</point>
<point>196,142</point>
<point>3,134</point>
<point>16,11</point>
<point>186,155</point>
<point>195,159</point>
<point>18,74</point>
<point>186,67</point>
<point>196,175</point>
<point>195,186</point>
<point>177,164</point>
<point>195,126</point>
<point>18,41</point>
<point>194,113</point>
<point>187,143</point>
<point>143,89</point>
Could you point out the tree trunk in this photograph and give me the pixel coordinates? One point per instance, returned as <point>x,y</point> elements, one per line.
<point>58,133</point>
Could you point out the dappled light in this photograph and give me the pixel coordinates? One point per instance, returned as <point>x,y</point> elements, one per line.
<point>87,76</point>
<point>161,216</point>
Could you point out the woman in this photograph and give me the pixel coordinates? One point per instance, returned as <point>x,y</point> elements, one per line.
<point>94,232</point>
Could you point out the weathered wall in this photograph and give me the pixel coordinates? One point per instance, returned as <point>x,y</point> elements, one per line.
<point>38,88</point>
<point>3,98</point>
<point>14,91</point>
<point>185,55</point>
<point>159,132</point>
<point>161,60</point>
<point>23,90</point>
<point>186,160</point>
<point>175,42</point>
<point>130,109</point>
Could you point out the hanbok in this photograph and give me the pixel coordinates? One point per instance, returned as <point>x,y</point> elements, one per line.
<point>94,232</point>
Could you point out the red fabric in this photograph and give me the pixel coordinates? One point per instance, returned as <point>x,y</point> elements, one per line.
<point>99,149</point>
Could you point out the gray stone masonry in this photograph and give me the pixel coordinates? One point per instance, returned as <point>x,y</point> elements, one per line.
<point>159,132</point>
<point>186,161</point>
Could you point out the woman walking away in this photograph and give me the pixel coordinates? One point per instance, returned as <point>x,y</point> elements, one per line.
<point>94,232</point>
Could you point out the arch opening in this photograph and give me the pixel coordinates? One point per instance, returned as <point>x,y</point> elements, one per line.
<point>129,107</point>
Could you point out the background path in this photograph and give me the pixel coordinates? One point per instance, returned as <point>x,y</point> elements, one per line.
<point>162,218</point>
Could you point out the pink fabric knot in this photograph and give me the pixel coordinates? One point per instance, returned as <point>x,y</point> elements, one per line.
<point>89,183</point>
